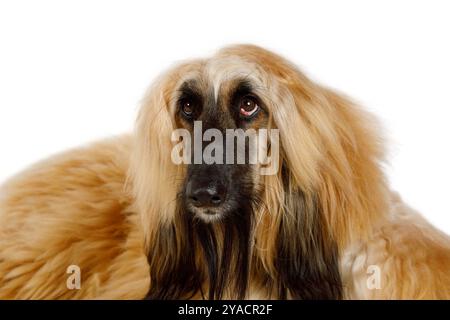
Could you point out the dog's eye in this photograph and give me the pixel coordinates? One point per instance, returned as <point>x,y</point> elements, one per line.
<point>248,106</point>
<point>187,107</point>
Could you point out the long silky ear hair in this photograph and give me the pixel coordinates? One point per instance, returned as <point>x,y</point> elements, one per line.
<point>155,182</point>
<point>330,190</point>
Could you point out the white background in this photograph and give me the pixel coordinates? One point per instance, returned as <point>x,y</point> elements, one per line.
<point>72,72</point>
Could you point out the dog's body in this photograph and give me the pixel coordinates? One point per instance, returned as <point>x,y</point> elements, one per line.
<point>94,208</point>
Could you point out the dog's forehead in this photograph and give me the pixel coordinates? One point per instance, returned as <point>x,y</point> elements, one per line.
<point>219,70</point>
<point>223,70</point>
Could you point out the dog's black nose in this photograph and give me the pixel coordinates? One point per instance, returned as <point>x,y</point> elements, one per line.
<point>209,194</point>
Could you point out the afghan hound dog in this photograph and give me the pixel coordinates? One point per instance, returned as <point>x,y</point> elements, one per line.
<point>137,223</point>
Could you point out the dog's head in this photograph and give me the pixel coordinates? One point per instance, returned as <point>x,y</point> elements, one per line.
<point>242,163</point>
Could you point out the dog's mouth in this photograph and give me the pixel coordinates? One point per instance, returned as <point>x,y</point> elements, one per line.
<point>209,216</point>
<point>212,214</point>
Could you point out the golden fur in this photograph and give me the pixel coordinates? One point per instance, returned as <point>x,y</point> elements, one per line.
<point>101,207</point>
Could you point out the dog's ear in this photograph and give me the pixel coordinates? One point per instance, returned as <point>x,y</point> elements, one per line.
<point>155,182</point>
<point>154,178</point>
<point>341,197</point>
<point>344,151</point>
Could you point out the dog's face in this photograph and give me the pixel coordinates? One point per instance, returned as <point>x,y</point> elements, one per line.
<point>222,175</point>
<point>213,190</point>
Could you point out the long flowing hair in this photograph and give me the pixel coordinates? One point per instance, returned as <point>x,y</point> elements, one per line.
<point>329,191</point>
